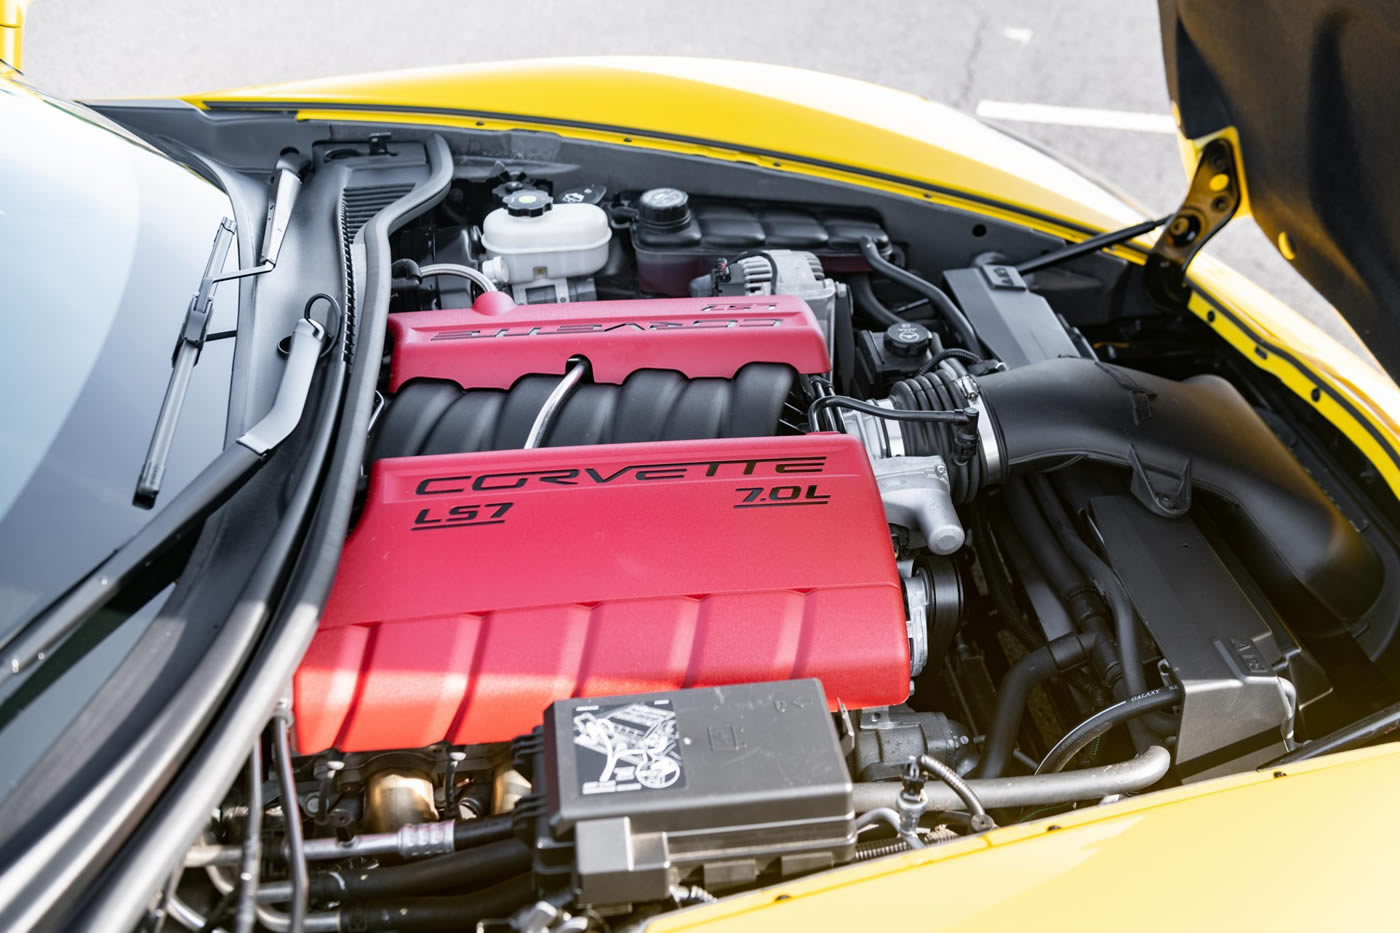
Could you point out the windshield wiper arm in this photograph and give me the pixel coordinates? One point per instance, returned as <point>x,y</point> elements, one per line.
<point>187,350</point>
<point>195,330</point>
<point>286,180</point>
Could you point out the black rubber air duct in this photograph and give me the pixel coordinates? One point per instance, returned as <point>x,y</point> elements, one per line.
<point>1176,436</point>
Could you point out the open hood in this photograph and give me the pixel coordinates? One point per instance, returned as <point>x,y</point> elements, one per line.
<point>1310,87</point>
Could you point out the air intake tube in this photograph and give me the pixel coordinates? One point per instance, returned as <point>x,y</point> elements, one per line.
<point>1174,438</point>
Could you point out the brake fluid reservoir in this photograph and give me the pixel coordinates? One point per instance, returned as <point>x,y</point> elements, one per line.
<point>532,238</point>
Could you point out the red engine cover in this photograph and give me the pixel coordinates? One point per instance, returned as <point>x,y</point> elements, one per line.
<point>493,343</point>
<point>478,588</point>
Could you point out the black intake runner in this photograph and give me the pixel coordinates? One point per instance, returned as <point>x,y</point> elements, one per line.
<point>438,417</point>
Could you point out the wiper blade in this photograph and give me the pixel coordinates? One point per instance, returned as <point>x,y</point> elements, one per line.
<point>191,341</point>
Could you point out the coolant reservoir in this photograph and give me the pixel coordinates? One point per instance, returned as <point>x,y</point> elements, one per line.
<point>532,238</point>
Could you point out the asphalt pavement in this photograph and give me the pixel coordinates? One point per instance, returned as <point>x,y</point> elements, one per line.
<point>1099,59</point>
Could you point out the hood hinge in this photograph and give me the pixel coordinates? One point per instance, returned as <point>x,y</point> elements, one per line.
<point>1211,200</point>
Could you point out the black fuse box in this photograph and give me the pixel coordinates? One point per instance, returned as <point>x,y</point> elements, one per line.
<point>717,786</point>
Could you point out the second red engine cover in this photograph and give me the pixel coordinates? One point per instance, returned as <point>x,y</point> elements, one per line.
<point>479,588</point>
<point>491,344</point>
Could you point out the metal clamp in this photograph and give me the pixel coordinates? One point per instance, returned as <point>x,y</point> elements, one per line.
<point>987,443</point>
<point>911,804</point>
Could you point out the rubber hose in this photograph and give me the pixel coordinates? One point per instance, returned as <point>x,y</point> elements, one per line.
<point>868,304</point>
<point>1093,567</point>
<point>952,353</point>
<point>936,296</point>
<point>1096,725</point>
<point>1125,623</point>
<point>1079,598</point>
<point>1020,565</point>
<point>446,914</point>
<point>1024,676</point>
<point>483,829</point>
<point>1085,605</point>
<point>1031,790</point>
<point>460,871</point>
<point>999,582</point>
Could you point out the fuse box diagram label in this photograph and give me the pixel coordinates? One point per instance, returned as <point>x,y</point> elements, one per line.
<point>627,748</point>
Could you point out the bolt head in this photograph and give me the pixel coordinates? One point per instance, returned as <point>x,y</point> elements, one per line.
<point>1183,230</point>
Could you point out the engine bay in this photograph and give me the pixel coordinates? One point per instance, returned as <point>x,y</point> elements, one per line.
<point>765,540</point>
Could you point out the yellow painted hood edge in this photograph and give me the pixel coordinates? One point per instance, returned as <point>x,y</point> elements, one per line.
<point>1309,847</point>
<point>764,110</point>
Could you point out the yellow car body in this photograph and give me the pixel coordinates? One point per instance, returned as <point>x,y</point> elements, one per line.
<point>1276,849</point>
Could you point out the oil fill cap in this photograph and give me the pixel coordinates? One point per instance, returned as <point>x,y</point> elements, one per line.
<point>907,338</point>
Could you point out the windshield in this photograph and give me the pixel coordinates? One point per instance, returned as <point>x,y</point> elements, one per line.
<point>102,241</point>
<point>102,244</point>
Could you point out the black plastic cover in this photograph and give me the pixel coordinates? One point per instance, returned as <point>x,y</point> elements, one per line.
<point>717,785</point>
<point>1309,86</point>
<point>430,416</point>
<point>1014,322</point>
<point>1224,648</point>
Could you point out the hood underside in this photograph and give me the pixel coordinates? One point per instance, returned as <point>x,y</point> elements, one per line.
<point>1306,85</point>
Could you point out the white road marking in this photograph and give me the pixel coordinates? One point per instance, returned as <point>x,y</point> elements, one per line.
<point>1076,116</point>
<point>1017,34</point>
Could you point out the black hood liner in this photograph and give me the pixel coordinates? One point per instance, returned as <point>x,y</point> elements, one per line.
<point>1313,88</point>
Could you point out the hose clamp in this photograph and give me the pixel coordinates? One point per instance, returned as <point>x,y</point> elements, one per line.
<point>987,441</point>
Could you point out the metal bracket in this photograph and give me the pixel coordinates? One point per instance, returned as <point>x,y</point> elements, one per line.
<point>1211,200</point>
